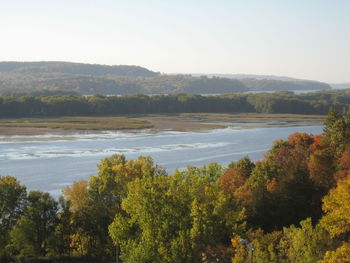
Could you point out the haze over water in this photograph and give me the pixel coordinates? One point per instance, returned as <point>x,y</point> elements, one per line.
<point>51,162</point>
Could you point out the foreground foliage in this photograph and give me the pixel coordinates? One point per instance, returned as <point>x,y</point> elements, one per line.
<point>174,219</point>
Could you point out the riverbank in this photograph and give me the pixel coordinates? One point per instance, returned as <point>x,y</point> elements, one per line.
<point>189,122</point>
<point>209,121</point>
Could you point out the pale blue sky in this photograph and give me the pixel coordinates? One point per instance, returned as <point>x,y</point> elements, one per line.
<point>298,38</point>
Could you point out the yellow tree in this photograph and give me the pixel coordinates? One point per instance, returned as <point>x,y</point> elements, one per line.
<point>341,255</point>
<point>76,194</point>
<point>337,207</point>
<point>337,219</point>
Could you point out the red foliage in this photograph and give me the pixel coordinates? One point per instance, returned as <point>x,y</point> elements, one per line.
<point>244,195</point>
<point>271,186</point>
<point>345,160</point>
<point>341,175</point>
<point>282,156</point>
<point>291,158</point>
<point>231,180</point>
<point>317,142</point>
<point>217,254</point>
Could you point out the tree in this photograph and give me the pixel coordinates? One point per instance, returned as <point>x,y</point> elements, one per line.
<point>344,166</point>
<point>337,131</point>
<point>340,255</point>
<point>266,247</point>
<point>95,203</point>
<point>79,210</point>
<point>32,232</point>
<point>321,166</point>
<point>61,244</point>
<point>12,204</point>
<point>244,165</point>
<point>76,195</point>
<point>231,180</point>
<point>336,205</point>
<point>305,244</point>
<point>177,218</point>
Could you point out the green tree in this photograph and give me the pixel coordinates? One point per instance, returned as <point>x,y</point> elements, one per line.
<point>12,204</point>
<point>266,247</point>
<point>305,244</point>
<point>337,131</point>
<point>33,231</point>
<point>95,203</point>
<point>61,243</point>
<point>177,218</point>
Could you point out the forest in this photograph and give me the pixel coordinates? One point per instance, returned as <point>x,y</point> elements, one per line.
<point>293,206</point>
<point>89,79</point>
<point>48,103</point>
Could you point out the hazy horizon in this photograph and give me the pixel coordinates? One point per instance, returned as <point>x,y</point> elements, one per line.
<point>297,39</point>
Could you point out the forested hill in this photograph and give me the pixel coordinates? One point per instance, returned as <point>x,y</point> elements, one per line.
<point>75,69</point>
<point>341,86</point>
<point>273,84</point>
<point>89,79</point>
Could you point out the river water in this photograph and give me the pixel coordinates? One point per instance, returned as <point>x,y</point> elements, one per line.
<point>50,162</point>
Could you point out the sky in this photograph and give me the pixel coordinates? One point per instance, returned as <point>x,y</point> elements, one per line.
<point>307,39</point>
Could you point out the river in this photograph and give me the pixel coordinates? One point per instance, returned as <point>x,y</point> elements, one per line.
<point>50,162</point>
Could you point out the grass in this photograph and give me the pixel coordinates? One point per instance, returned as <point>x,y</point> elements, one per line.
<point>204,115</point>
<point>78,123</point>
<point>182,121</point>
<point>237,117</point>
<point>252,115</point>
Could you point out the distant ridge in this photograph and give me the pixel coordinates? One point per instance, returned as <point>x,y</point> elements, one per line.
<point>75,68</point>
<point>341,85</point>
<point>252,76</point>
<point>51,77</point>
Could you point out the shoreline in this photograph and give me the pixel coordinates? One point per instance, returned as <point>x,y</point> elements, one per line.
<point>155,123</point>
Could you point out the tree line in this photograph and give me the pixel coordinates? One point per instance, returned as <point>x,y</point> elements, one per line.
<point>290,207</point>
<point>70,104</point>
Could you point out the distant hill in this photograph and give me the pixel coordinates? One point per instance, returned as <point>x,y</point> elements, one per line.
<point>283,85</point>
<point>252,76</point>
<point>341,86</point>
<point>88,79</point>
<point>75,69</point>
<point>273,83</point>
